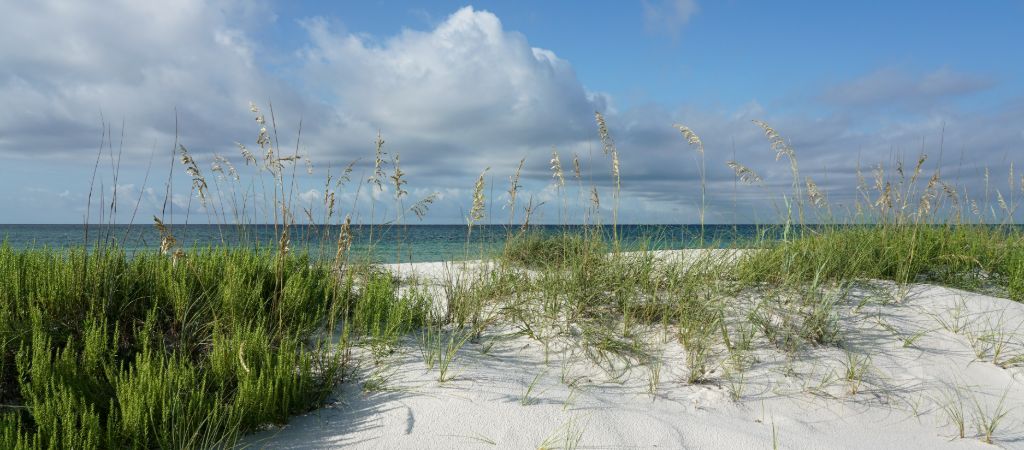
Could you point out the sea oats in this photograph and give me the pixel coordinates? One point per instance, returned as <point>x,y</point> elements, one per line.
<point>476,212</point>
<point>346,174</point>
<point>615,169</point>
<point>329,202</point>
<point>917,167</point>
<point>344,242</point>
<point>396,178</point>
<point>1010,177</point>
<point>691,137</point>
<point>603,134</point>
<point>814,195</point>
<point>420,208</point>
<point>246,154</point>
<point>577,173</point>
<point>284,243</point>
<point>745,174</point>
<point>951,193</point>
<point>218,166</point>
<point>879,178</point>
<point>595,200</point>
<point>378,164</point>
<point>514,186</point>
<point>192,169</point>
<point>884,200</point>
<point>930,193</point>
<point>556,169</point>
<point>167,240</point>
<point>178,255</point>
<point>778,144</point>
<point>527,214</point>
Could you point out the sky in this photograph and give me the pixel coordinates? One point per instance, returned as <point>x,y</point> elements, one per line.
<point>455,88</point>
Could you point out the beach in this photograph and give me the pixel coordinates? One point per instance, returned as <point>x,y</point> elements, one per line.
<point>913,362</point>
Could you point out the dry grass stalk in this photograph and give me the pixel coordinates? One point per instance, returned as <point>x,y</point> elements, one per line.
<point>814,194</point>
<point>556,169</point>
<point>263,140</point>
<point>513,190</point>
<point>917,167</point>
<point>246,154</point>
<point>885,198</point>
<point>929,195</point>
<point>167,240</point>
<point>396,178</point>
<point>344,242</point>
<point>745,174</point>
<point>527,213</point>
<point>192,169</point>
<point>420,208</point>
<point>284,243</point>
<point>778,144</point>
<point>602,132</point>
<point>476,212</point>
<point>218,165</point>
<point>615,169</point>
<point>691,137</point>
<point>577,173</point>
<point>378,176</point>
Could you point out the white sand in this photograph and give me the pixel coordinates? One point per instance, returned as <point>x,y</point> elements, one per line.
<point>802,404</point>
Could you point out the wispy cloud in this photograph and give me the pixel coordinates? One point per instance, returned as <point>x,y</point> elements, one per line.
<point>668,16</point>
<point>892,86</point>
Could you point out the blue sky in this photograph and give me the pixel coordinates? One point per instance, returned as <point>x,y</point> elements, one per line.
<point>456,87</point>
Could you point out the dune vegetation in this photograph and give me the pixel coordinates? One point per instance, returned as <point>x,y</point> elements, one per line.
<point>186,347</point>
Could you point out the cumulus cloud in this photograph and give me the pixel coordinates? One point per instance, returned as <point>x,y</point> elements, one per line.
<point>66,63</point>
<point>462,94</point>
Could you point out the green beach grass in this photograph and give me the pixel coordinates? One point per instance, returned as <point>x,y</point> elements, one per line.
<point>195,347</point>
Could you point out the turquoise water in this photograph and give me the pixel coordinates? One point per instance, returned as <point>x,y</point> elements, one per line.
<point>415,243</point>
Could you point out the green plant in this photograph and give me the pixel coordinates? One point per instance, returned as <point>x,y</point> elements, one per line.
<point>855,367</point>
<point>527,399</point>
<point>952,406</point>
<point>987,420</point>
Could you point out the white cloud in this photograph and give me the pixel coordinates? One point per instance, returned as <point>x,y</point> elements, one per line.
<point>465,88</point>
<point>66,62</point>
<point>310,197</point>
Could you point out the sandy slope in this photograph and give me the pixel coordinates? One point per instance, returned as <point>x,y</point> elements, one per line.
<point>805,403</point>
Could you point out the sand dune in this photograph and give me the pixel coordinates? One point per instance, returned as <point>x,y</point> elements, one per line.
<point>910,359</point>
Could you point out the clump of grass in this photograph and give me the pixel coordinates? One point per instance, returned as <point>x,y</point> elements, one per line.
<point>855,368</point>
<point>527,397</point>
<point>988,421</point>
<point>539,249</point>
<point>952,406</point>
<point>112,352</point>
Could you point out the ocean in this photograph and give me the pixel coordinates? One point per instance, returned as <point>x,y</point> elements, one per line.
<point>384,243</point>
